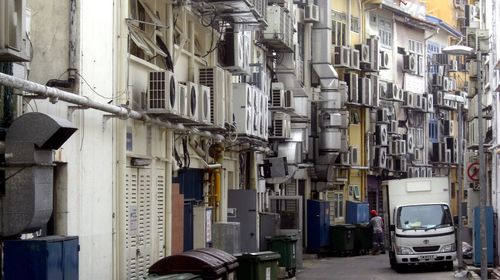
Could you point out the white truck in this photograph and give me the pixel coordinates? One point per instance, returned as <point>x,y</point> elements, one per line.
<point>418,223</point>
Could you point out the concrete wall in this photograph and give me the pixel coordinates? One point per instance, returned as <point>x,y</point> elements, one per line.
<point>84,180</point>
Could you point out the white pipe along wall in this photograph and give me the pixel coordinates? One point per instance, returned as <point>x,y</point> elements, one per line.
<point>55,94</point>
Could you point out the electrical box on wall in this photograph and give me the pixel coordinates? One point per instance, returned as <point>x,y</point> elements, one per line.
<point>12,30</point>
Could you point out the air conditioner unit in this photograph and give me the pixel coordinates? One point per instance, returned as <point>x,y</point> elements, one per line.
<point>391,163</point>
<point>243,110</point>
<point>425,104</point>
<point>417,155</point>
<point>430,103</point>
<point>238,52</point>
<point>410,141</point>
<point>355,60</point>
<point>341,57</point>
<point>438,98</point>
<point>428,172</point>
<point>351,80</point>
<point>204,104</point>
<point>466,100</point>
<point>447,127</point>
<point>393,127</point>
<point>384,60</point>
<point>214,78</point>
<point>163,97</point>
<point>394,148</point>
<point>410,63</point>
<point>375,90</point>
<point>364,53</point>
<point>354,151</point>
<point>345,159</point>
<point>279,29</point>
<point>380,157</point>
<point>365,91</point>
<point>383,115</point>
<point>373,42</point>
<point>448,156</point>
<point>409,99</point>
<point>394,93</point>
<point>402,146</point>
<point>228,89</point>
<point>335,119</point>
<point>383,90</point>
<point>400,164</point>
<point>257,110</point>
<point>418,100</point>
<point>446,84</point>
<point>454,66</point>
<point>381,135</point>
<point>472,68</point>
<point>421,67</point>
<point>193,96</point>
<point>311,13</point>
<point>281,127</point>
<point>183,101</point>
<point>437,80</point>
<point>12,30</point>
<point>280,98</point>
<point>472,16</point>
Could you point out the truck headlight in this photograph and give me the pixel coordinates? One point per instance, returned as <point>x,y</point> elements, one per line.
<point>401,250</point>
<point>448,248</point>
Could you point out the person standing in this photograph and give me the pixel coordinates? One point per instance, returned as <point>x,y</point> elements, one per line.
<point>378,232</point>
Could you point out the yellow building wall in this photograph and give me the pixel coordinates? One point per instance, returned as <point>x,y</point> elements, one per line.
<point>443,9</point>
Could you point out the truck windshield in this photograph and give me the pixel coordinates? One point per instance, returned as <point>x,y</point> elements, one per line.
<point>424,217</point>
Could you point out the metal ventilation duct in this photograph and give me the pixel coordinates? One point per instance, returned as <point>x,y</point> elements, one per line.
<point>321,38</point>
<point>26,204</point>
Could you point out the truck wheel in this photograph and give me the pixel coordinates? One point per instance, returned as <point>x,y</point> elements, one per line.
<point>448,266</point>
<point>400,268</point>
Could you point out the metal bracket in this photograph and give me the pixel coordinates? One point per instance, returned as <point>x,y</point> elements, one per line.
<point>106,118</point>
<point>72,109</point>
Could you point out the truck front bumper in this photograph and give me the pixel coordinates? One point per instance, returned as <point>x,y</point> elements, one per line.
<point>426,258</point>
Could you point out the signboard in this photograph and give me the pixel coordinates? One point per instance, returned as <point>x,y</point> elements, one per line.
<point>473,171</point>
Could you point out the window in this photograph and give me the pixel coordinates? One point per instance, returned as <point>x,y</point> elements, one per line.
<point>145,29</point>
<point>338,204</point>
<point>385,32</point>
<point>433,137</point>
<point>354,24</point>
<point>339,24</point>
<point>417,48</point>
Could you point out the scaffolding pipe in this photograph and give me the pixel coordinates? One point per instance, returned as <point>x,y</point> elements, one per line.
<point>124,113</point>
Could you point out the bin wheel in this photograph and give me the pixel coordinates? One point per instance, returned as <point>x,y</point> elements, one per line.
<point>291,272</point>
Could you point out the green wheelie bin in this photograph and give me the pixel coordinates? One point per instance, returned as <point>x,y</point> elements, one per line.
<point>363,236</point>
<point>257,266</point>
<point>285,245</point>
<point>342,239</point>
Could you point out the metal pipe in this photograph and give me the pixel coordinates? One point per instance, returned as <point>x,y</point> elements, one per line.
<point>217,193</point>
<point>55,94</point>
<point>460,187</point>
<point>482,169</point>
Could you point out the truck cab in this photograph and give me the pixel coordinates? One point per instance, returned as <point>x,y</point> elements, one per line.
<point>420,228</point>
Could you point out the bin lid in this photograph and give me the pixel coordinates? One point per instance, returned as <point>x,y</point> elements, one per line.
<point>346,226</point>
<point>260,256</point>
<point>195,262</point>
<point>230,262</point>
<point>289,237</point>
<point>182,276</point>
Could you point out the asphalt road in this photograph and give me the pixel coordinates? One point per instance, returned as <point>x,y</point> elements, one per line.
<point>366,267</point>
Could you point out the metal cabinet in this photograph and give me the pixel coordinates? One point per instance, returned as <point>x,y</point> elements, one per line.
<point>243,204</point>
<point>318,223</point>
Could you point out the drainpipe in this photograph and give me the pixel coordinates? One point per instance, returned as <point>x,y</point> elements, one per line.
<point>70,82</point>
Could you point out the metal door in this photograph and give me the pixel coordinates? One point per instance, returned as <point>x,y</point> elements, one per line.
<point>245,203</point>
<point>143,220</point>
